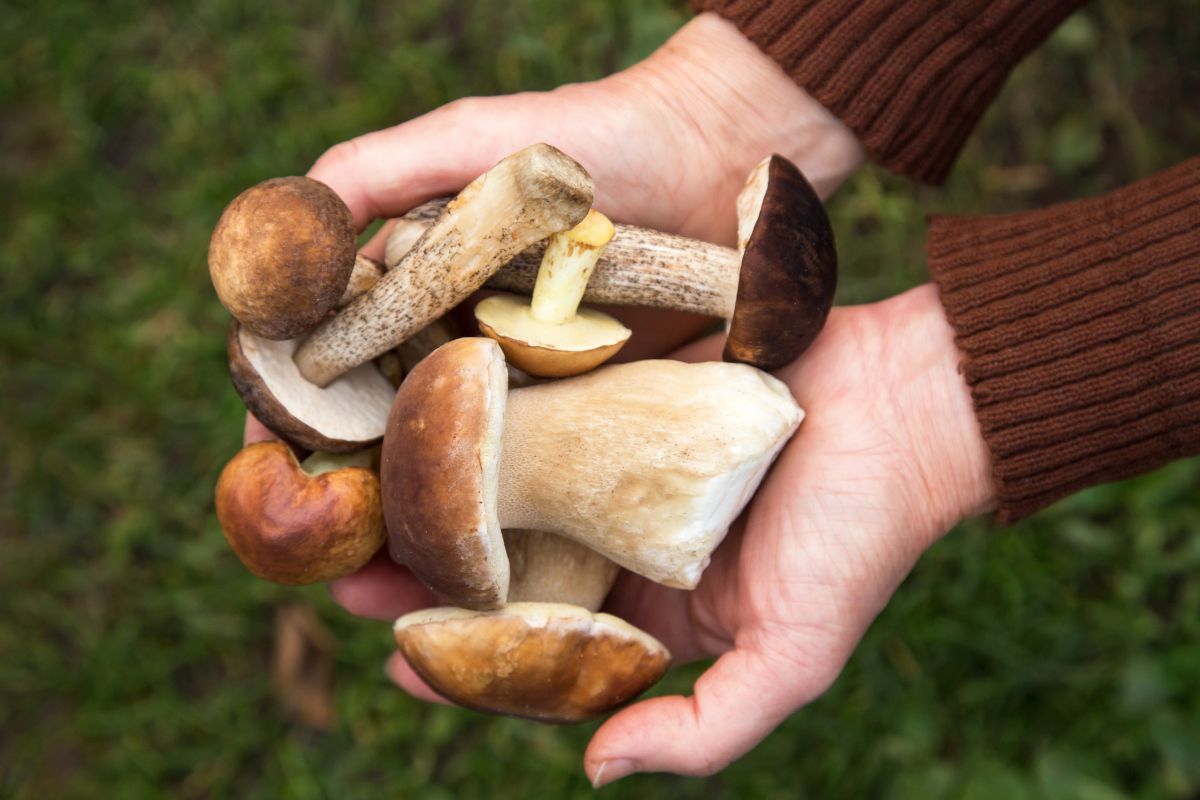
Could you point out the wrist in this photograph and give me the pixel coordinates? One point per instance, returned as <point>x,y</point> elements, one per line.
<point>744,106</point>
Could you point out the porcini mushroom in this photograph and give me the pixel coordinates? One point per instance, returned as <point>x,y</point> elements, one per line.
<point>647,463</point>
<point>546,655</point>
<point>297,523</point>
<point>281,256</point>
<point>775,290</point>
<point>526,197</point>
<point>548,335</point>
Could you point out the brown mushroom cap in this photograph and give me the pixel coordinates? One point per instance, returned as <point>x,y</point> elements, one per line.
<point>789,268</point>
<point>349,414</point>
<point>441,504</point>
<point>281,255</point>
<point>296,527</point>
<point>546,350</point>
<point>543,661</point>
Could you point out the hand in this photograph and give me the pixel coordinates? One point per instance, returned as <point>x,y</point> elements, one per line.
<point>668,142</point>
<point>888,458</point>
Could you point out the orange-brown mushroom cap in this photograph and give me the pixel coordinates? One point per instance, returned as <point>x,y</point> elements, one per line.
<point>440,473</point>
<point>788,275</point>
<point>291,527</point>
<point>282,254</point>
<point>550,662</point>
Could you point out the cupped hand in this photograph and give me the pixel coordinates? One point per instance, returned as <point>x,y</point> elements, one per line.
<point>888,458</point>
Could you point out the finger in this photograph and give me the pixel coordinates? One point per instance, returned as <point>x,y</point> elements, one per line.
<point>707,349</point>
<point>735,704</point>
<point>255,431</point>
<point>387,172</point>
<point>403,676</point>
<point>381,590</point>
<point>377,245</point>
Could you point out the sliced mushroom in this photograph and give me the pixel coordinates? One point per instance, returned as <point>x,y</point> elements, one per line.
<point>776,290</point>
<point>296,523</point>
<point>550,662</point>
<point>523,199</point>
<point>281,256</point>
<point>647,463</point>
<point>548,335</point>
<point>349,414</point>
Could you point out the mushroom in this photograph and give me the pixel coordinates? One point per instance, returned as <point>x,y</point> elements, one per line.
<point>281,256</point>
<point>548,335</point>
<point>546,655</point>
<point>366,273</point>
<point>648,463</point>
<point>300,523</point>
<point>776,289</point>
<point>526,197</point>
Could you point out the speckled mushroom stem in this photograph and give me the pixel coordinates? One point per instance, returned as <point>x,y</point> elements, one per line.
<point>639,267</point>
<point>523,199</point>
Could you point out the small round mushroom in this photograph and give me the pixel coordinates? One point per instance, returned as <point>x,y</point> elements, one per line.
<point>647,463</point>
<point>296,523</point>
<point>281,256</point>
<point>548,335</point>
<point>549,662</point>
<point>349,414</point>
<point>775,290</point>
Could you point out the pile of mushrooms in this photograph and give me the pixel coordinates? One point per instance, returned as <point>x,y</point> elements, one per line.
<point>511,472</point>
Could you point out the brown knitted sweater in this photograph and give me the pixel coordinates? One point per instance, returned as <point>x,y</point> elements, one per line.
<point>1079,324</point>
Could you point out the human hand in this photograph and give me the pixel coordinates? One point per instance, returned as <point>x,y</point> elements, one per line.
<point>888,458</point>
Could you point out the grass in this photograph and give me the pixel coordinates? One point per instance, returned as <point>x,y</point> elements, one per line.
<point>1056,659</point>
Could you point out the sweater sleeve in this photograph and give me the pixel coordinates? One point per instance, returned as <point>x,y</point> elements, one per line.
<point>910,77</point>
<point>1080,330</point>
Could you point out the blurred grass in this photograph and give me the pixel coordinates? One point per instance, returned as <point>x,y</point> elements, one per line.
<point>1058,659</point>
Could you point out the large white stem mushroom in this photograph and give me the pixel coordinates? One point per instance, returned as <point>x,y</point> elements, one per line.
<point>546,655</point>
<point>523,199</point>
<point>776,289</point>
<point>647,463</point>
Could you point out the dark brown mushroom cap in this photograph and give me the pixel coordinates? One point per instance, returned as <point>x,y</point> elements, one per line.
<point>550,662</point>
<point>788,275</point>
<point>281,255</point>
<point>349,414</point>
<point>440,473</point>
<point>294,528</point>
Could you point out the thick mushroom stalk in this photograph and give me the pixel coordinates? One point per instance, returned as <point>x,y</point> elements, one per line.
<point>546,655</point>
<point>523,199</point>
<point>296,523</point>
<point>647,463</point>
<point>549,335</point>
<point>775,291</point>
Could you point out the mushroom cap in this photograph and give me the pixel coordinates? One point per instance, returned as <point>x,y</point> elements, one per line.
<point>544,349</point>
<point>281,255</point>
<point>440,467</point>
<point>292,527</point>
<point>549,662</point>
<point>789,267</point>
<point>349,414</point>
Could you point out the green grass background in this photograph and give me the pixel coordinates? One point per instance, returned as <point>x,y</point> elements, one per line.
<point>1057,659</point>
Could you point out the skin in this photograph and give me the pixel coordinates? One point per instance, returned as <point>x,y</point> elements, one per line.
<point>887,460</point>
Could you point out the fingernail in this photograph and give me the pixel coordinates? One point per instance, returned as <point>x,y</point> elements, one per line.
<point>612,770</point>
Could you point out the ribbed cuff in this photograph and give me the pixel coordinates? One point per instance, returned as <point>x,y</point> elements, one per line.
<point>1080,329</point>
<point>910,77</point>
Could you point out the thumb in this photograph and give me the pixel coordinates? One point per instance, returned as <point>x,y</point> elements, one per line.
<point>735,704</point>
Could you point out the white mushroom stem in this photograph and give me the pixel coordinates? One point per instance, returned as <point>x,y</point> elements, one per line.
<point>546,568</point>
<point>523,199</point>
<point>647,463</point>
<point>639,267</point>
<point>567,265</point>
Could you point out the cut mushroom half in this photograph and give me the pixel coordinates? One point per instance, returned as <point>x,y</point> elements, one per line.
<point>775,291</point>
<point>648,463</point>
<point>523,199</point>
<point>300,523</point>
<point>349,414</point>
<point>282,255</point>
<point>548,335</point>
